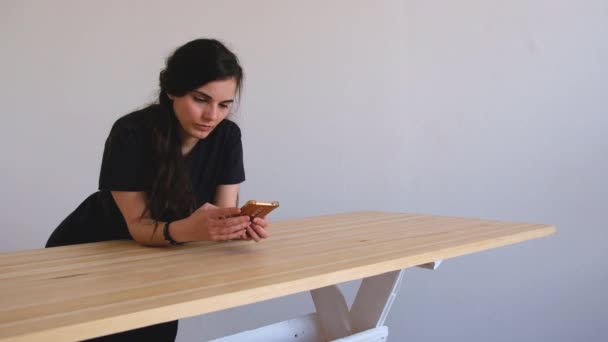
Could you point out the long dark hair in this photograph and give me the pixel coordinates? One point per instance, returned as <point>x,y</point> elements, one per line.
<point>191,66</point>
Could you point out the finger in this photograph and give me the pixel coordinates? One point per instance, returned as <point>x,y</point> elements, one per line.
<point>232,235</point>
<point>260,231</point>
<point>253,234</point>
<point>224,212</point>
<point>260,221</point>
<point>233,221</point>
<point>232,228</point>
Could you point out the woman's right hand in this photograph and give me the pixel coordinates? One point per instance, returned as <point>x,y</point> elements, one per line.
<point>216,224</point>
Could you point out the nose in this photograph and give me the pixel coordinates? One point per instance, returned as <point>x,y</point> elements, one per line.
<point>211,112</point>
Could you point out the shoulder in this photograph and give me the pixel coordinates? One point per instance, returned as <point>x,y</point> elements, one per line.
<point>134,124</point>
<point>229,128</point>
<point>136,120</point>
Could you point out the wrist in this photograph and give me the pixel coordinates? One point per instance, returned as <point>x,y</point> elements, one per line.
<point>167,235</point>
<point>180,231</point>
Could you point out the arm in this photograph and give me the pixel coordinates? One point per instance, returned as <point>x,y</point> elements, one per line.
<point>227,195</point>
<point>204,224</point>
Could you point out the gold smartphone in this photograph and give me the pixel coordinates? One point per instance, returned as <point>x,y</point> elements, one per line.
<point>258,209</point>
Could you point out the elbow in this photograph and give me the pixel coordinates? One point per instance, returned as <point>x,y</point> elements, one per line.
<point>144,236</point>
<point>146,243</point>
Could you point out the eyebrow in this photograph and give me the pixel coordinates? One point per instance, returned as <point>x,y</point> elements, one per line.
<point>211,98</point>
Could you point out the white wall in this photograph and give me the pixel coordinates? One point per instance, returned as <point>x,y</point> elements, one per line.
<point>493,109</point>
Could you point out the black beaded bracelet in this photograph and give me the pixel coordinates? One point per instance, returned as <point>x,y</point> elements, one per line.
<point>168,237</point>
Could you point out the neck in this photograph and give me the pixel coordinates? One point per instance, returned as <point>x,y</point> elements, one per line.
<point>188,143</point>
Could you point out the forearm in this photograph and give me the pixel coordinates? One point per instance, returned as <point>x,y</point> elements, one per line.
<point>206,223</point>
<point>144,229</point>
<point>226,196</point>
<point>150,233</point>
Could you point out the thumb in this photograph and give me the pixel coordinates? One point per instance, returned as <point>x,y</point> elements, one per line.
<point>208,206</point>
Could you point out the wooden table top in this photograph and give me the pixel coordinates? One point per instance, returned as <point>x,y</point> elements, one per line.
<point>83,291</point>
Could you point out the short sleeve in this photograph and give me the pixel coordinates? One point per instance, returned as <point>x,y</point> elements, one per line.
<point>232,169</point>
<point>126,163</point>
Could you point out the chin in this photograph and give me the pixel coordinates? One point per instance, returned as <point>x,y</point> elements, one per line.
<point>200,135</point>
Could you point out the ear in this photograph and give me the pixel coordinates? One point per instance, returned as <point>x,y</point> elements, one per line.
<point>170,96</point>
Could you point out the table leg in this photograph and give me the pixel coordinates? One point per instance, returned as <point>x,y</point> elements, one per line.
<point>333,321</point>
<point>332,312</point>
<point>368,312</point>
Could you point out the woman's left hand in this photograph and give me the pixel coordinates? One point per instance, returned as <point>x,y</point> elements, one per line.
<point>257,230</point>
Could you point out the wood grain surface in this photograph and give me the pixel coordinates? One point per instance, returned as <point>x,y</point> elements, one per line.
<point>83,291</point>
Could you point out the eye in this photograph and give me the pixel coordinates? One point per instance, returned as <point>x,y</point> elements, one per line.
<point>199,99</point>
<point>224,105</point>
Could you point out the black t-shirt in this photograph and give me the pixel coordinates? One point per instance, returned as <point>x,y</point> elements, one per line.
<point>128,165</point>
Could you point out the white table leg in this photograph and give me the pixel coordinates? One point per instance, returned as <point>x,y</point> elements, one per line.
<point>332,312</point>
<point>374,300</point>
<point>368,312</point>
<point>333,321</point>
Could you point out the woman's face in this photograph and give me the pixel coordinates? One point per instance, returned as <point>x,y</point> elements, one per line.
<point>199,111</point>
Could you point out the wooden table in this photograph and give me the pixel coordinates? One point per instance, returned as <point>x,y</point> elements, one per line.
<point>83,291</point>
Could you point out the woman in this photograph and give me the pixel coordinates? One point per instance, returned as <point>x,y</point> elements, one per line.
<point>171,171</point>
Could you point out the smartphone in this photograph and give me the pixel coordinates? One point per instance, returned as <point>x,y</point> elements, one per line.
<point>258,209</point>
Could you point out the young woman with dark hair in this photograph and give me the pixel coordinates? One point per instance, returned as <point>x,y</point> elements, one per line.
<point>171,171</point>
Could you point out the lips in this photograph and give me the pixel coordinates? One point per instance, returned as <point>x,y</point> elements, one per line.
<point>204,128</point>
